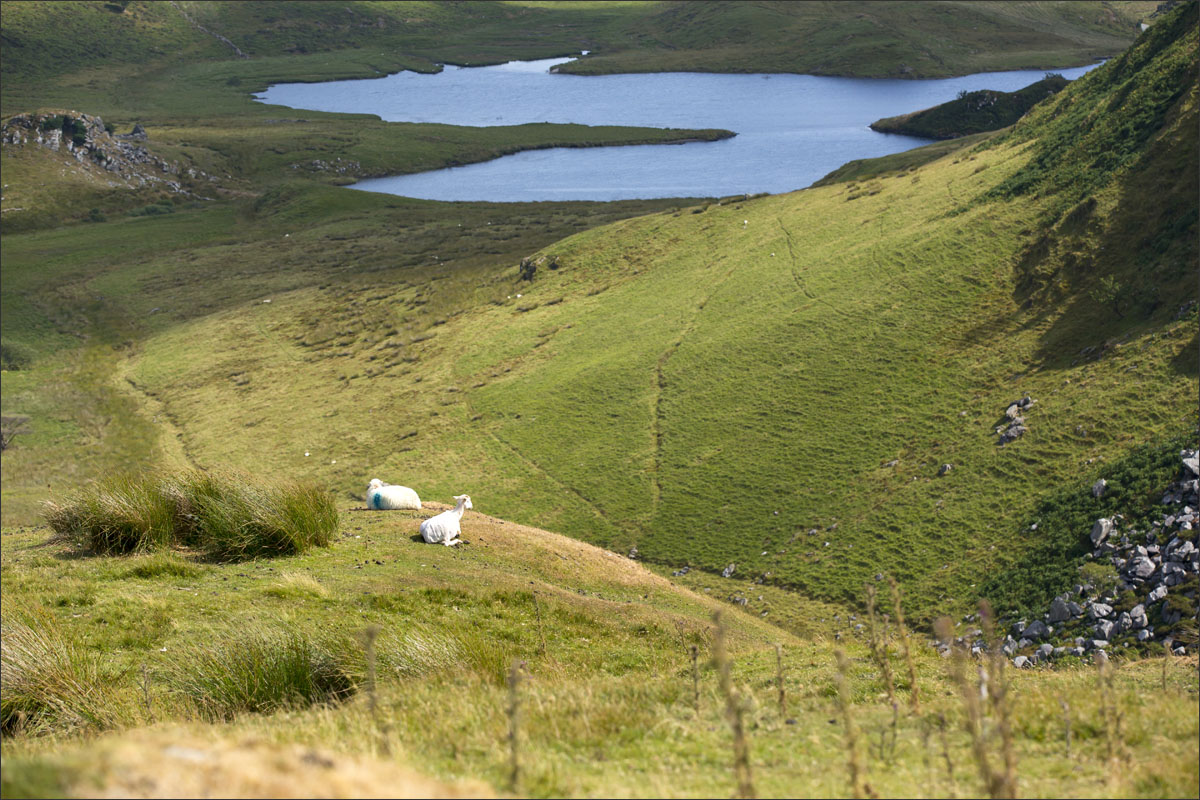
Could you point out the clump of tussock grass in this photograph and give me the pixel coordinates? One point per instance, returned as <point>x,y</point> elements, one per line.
<point>49,683</point>
<point>239,519</point>
<point>262,671</point>
<point>124,514</point>
<point>229,515</point>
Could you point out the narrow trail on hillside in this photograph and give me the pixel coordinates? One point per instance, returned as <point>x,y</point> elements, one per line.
<point>538,468</point>
<point>797,273</point>
<point>237,50</point>
<point>660,387</point>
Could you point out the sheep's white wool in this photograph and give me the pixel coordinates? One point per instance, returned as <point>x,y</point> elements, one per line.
<point>381,496</point>
<point>444,528</point>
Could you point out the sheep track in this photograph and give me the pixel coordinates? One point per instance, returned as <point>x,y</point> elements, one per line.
<point>565,487</point>
<point>796,272</point>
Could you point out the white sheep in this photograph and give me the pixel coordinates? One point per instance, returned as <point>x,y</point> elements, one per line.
<point>381,496</point>
<point>444,527</point>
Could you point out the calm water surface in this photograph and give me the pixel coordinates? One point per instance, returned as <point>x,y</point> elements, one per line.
<point>792,129</point>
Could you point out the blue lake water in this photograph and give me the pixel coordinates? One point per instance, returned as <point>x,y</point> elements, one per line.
<point>792,129</point>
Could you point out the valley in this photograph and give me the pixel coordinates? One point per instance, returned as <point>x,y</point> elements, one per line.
<point>758,404</point>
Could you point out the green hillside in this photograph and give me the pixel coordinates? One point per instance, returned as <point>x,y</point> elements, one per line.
<point>683,377</point>
<point>727,383</point>
<point>919,39</point>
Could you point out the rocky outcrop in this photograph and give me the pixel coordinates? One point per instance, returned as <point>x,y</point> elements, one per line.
<point>1156,585</point>
<point>85,138</point>
<point>1013,425</point>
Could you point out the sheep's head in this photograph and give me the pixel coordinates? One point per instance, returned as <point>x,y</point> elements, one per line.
<point>464,499</point>
<point>374,484</point>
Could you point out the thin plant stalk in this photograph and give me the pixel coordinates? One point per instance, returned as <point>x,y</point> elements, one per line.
<point>514,708</point>
<point>997,685</point>
<point>952,789</point>
<point>858,783</point>
<point>914,692</point>
<point>695,653</point>
<point>537,607</point>
<point>733,712</point>
<point>878,648</point>
<point>971,703</point>
<point>779,681</point>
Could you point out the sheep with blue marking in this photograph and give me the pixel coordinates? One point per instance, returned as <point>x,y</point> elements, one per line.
<point>382,496</point>
<point>444,528</point>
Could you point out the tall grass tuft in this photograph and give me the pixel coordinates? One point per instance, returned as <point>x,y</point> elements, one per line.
<point>48,683</point>
<point>734,708</point>
<point>238,519</point>
<point>260,672</point>
<point>230,515</point>
<point>124,514</point>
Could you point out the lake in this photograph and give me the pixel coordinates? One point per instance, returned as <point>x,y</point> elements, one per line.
<point>791,129</point>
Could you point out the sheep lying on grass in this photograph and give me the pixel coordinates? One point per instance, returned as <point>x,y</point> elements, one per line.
<point>382,496</point>
<point>444,527</point>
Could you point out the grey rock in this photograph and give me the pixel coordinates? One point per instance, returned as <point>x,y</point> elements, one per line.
<point>1023,643</point>
<point>725,573</point>
<point>1099,487</point>
<point>1124,622</point>
<point>1059,611</point>
<point>1098,644</point>
<point>1105,629</point>
<point>1180,651</point>
<point>1013,411</point>
<point>1020,662</point>
<point>1156,594</point>
<point>945,468</point>
<point>1018,628</point>
<point>1037,630</point>
<point>1099,610</point>
<point>1077,651</point>
<point>1138,617</point>
<point>1045,650</point>
<point>1075,609</point>
<point>1101,531</point>
<point>1191,461</point>
<point>1144,634</point>
<point>1101,657</point>
<point>1008,648</point>
<point>1142,567</point>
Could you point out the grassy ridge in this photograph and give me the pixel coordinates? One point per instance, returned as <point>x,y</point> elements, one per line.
<point>606,706</point>
<point>972,112</point>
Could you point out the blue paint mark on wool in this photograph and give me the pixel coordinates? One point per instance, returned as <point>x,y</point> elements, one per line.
<point>376,501</point>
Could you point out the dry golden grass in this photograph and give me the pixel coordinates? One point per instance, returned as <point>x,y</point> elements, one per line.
<point>159,764</point>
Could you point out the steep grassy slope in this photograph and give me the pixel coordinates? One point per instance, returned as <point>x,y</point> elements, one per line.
<point>731,385</point>
<point>972,112</point>
<point>606,705</point>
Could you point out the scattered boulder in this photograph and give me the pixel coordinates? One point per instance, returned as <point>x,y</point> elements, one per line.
<point>1101,531</point>
<point>728,571</point>
<point>1059,612</point>
<point>1099,488</point>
